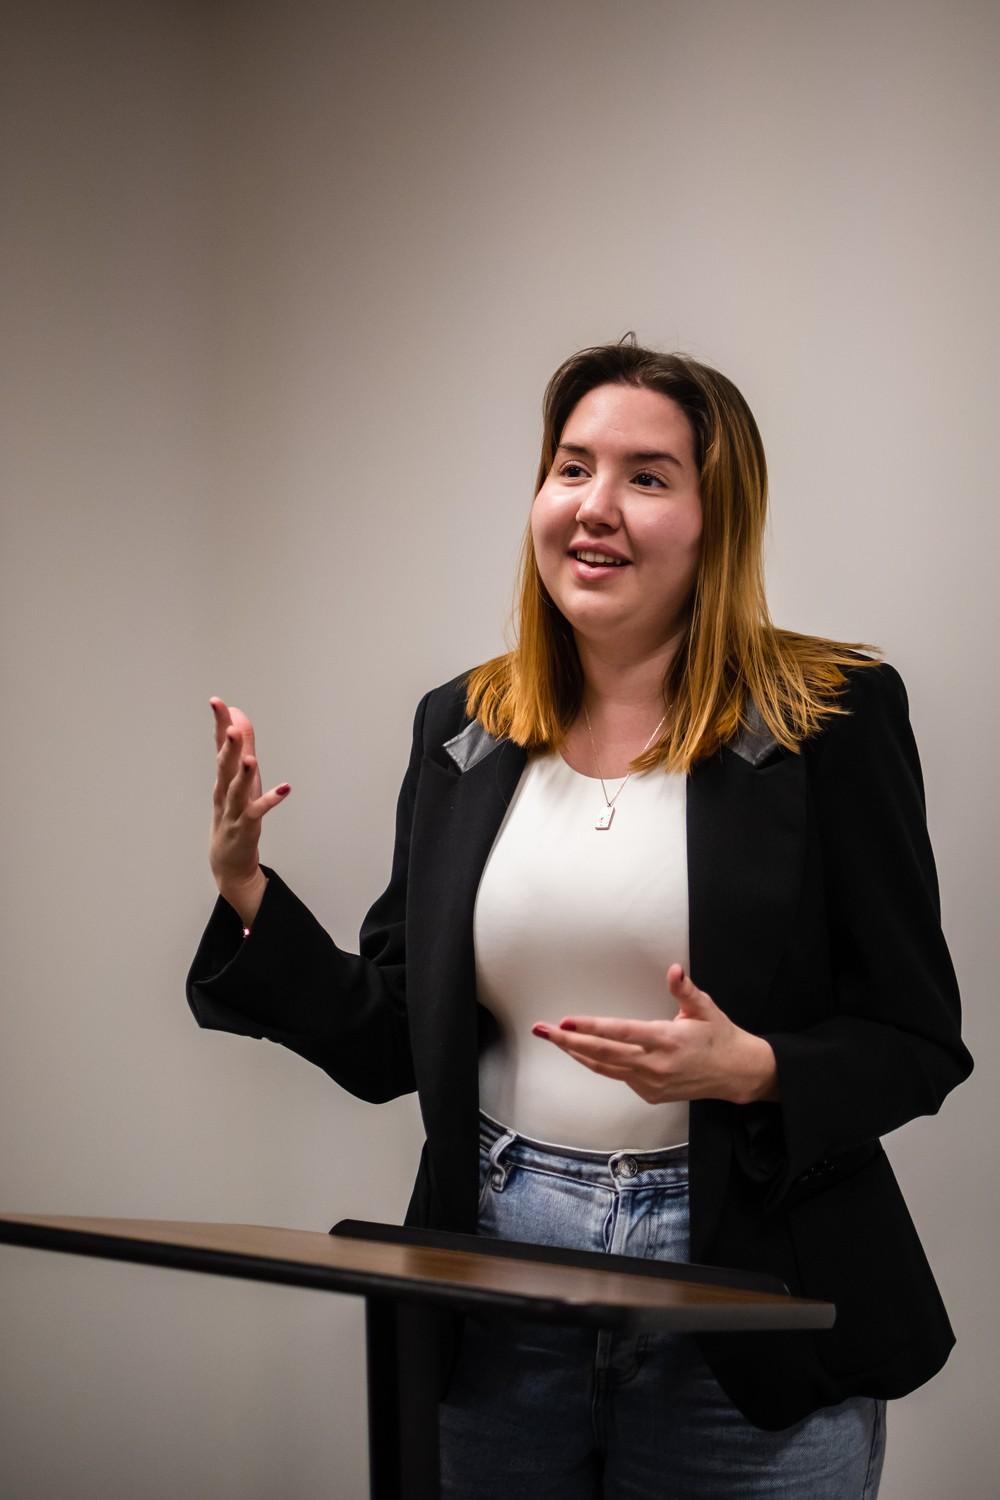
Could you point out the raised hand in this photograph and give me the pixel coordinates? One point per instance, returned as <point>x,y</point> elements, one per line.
<point>238,805</point>
<point>700,1054</point>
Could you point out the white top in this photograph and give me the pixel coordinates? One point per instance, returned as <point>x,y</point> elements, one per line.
<point>572,921</point>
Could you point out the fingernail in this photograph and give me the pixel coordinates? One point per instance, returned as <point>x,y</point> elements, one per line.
<point>683,975</point>
<point>567,1025</point>
<point>539,1030</point>
<point>283,789</point>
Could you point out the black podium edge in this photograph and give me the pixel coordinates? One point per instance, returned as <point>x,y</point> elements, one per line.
<point>588,1260</point>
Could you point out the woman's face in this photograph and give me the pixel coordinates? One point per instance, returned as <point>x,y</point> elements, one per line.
<point>617,523</point>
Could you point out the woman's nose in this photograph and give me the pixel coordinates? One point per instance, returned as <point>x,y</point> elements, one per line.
<point>599,505</point>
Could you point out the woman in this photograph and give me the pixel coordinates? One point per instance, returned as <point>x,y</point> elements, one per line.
<point>679,858</point>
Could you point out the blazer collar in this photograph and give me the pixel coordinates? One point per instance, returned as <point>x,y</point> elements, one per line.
<point>469,746</point>
<point>754,742</point>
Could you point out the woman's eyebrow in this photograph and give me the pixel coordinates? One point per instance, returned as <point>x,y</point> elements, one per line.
<point>641,456</point>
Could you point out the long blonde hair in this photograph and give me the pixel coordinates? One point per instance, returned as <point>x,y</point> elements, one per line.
<point>731,655</point>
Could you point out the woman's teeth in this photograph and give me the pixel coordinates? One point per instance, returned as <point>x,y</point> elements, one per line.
<point>599,557</point>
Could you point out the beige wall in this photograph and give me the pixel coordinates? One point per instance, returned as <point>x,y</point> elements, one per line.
<point>284,283</point>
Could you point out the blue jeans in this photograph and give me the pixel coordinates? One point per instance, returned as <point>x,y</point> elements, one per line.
<point>535,1410</point>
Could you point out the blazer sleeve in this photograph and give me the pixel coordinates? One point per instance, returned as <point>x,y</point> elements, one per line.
<point>290,983</point>
<point>891,1049</point>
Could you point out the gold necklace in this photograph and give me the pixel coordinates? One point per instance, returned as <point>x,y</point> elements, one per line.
<point>607,817</point>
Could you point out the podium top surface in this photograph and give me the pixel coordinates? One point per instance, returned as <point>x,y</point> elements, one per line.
<point>546,1291</point>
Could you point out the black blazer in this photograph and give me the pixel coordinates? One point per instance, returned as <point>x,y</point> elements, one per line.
<point>814,921</point>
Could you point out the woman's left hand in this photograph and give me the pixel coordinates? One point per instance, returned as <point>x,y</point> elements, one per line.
<point>700,1054</point>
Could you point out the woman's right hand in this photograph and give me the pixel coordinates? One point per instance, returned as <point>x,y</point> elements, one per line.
<point>238,805</point>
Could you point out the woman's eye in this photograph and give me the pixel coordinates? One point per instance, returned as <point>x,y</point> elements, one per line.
<point>644,478</point>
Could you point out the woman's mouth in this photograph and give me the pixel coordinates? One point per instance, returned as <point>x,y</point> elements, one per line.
<point>591,562</point>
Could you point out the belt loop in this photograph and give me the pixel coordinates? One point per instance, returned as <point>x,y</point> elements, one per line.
<point>497,1173</point>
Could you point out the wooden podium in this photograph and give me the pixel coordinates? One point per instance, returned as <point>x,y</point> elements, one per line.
<point>402,1273</point>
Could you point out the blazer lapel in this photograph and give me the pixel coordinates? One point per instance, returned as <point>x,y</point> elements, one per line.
<point>746,845</point>
<point>461,801</point>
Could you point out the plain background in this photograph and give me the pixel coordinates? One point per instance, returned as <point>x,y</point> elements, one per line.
<point>283,285</point>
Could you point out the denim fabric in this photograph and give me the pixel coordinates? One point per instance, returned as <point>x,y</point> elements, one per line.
<point>570,1414</point>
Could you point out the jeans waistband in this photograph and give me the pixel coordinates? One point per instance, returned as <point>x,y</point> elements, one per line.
<point>660,1167</point>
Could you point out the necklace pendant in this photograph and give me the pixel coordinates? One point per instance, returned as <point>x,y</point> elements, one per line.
<point>605,820</point>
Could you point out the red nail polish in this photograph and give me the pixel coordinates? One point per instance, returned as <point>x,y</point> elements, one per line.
<point>283,789</point>
<point>567,1025</point>
<point>539,1030</point>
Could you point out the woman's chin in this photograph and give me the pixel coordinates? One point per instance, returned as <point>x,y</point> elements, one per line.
<point>593,617</point>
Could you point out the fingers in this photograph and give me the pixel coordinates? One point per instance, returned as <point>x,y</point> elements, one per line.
<point>612,1028</point>
<point>659,1060</point>
<point>244,798</point>
<point>223,720</point>
<point>596,1047</point>
<point>241,788</point>
<point>680,982</point>
<point>239,802</point>
<point>690,999</point>
<point>261,805</point>
<point>227,763</point>
<point>237,780</point>
<point>230,717</point>
<point>593,1052</point>
<point>242,723</point>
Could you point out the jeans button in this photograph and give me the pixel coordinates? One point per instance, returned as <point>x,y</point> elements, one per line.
<point>497,1179</point>
<point>626,1166</point>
